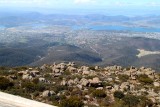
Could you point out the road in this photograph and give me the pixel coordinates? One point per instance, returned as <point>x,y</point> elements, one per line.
<point>7,100</point>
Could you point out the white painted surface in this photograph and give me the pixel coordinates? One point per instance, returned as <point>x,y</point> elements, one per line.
<point>7,100</point>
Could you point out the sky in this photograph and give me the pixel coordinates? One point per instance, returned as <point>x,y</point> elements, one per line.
<point>121,6</point>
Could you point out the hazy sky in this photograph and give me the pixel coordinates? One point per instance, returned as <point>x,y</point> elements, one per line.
<point>111,5</point>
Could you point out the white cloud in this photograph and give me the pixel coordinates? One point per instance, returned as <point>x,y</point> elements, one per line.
<point>39,3</point>
<point>83,1</point>
<point>154,4</point>
<point>22,1</point>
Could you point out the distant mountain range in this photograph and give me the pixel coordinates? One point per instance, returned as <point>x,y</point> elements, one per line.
<point>62,19</point>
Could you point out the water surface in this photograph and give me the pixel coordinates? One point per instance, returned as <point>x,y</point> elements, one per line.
<point>117,28</point>
<point>2,27</point>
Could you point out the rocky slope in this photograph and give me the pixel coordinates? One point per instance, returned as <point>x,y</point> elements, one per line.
<point>69,85</point>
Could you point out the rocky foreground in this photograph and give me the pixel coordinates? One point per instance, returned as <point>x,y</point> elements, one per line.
<point>69,85</point>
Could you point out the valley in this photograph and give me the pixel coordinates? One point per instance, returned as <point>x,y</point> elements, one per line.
<point>90,40</point>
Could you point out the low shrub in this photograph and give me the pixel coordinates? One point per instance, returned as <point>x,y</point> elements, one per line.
<point>59,88</point>
<point>99,94</point>
<point>119,94</point>
<point>131,100</point>
<point>123,78</point>
<point>5,83</point>
<point>145,79</point>
<point>31,87</point>
<point>72,102</point>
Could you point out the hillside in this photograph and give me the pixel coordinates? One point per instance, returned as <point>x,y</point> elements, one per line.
<point>121,51</point>
<point>71,85</point>
<point>35,39</point>
<point>68,53</point>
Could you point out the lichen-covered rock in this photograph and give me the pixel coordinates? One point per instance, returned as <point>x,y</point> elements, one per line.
<point>27,77</point>
<point>72,69</point>
<point>84,82</point>
<point>70,82</point>
<point>85,72</point>
<point>35,72</point>
<point>47,93</point>
<point>95,81</point>
<point>63,82</point>
<point>124,85</point>
<point>42,79</point>
<point>156,84</point>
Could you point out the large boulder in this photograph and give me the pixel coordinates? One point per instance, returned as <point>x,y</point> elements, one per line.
<point>48,93</point>
<point>96,67</point>
<point>124,85</point>
<point>79,86</point>
<point>84,82</point>
<point>57,74</point>
<point>70,82</point>
<point>86,73</point>
<point>63,66</point>
<point>27,77</point>
<point>76,80</point>
<point>13,77</point>
<point>139,72</point>
<point>109,79</point>
<point>22,73</point>
<point>71,64</point>
<point>72,69</point>
<point>156,84</point>
<point>43,67</point>
<point>85,68</point>
<point>35,72</point>
<point>55,70</point>
<point>42,79</point>
<point>149,71</point>
<point>116,87</point>
<point>95,82</point>
<point>63,82</point>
